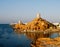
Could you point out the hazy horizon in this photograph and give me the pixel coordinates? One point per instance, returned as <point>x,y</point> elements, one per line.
<point>11,11</point>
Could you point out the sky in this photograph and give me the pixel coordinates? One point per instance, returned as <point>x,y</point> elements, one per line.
<point>11,11</point>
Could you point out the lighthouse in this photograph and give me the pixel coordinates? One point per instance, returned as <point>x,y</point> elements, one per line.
<point>19,22</point>
<point>38,15</point>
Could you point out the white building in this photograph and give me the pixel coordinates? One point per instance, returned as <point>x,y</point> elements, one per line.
<point>57,24</point>
<point>38,15</point>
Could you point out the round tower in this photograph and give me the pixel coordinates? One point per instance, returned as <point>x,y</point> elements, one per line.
<point>38,15</point>
<point>20,22</point>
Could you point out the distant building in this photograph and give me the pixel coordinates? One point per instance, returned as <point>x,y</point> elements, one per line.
<point>57,24</point>
<point>13,23</point>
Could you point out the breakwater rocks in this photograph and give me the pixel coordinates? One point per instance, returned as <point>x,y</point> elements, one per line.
<point>47,42</point>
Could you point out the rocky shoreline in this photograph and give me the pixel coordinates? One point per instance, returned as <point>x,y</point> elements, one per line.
<point>47,42</point>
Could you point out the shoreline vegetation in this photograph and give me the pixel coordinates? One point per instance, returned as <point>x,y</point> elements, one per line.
<point>39,31</point>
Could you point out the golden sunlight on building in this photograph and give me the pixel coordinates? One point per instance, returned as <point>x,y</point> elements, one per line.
<point>36,24</point>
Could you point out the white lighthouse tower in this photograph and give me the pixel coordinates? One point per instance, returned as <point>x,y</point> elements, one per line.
<point>19,22</point>
<point>38,15</point>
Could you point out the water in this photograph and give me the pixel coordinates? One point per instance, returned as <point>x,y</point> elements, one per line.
<point>8,38</point>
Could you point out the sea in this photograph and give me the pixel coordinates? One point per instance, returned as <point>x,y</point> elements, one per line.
<point>9,38</point>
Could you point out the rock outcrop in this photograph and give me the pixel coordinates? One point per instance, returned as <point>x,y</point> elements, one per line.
<point>47,42</point>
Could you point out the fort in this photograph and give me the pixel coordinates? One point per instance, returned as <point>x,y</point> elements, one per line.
<point>39,31</point>
<point>36,24</point>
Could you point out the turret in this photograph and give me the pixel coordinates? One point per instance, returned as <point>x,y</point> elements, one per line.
<point>19,22</point>
<point>38,15</point>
